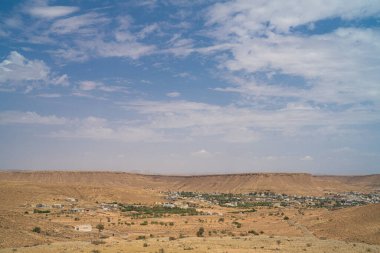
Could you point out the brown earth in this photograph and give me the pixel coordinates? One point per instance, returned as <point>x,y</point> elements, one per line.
<point>20,191</point>
<point>246,244</point>
<point>290,183</point>
<point>356,224</point>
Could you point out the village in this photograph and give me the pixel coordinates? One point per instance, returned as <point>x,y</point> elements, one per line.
<point>190,209</point>
<point>268,198</point>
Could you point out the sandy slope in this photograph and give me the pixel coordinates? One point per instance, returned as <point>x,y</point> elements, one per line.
<point>291,183</point>
<point>356,224</point>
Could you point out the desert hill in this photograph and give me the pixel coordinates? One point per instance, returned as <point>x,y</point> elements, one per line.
<point>360,224</point>
<point>290,183</point>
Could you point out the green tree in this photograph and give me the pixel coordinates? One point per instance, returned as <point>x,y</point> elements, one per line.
<point>100,228</point>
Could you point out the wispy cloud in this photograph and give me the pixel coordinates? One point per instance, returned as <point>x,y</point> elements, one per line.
<point>173,94</point>
<point>16,117</point>
<point>50,12</point>
<point>84,24</point>
<point>88,85</point>
<point>337,67</point>
<point>201,153</point>
<point>49,95</point>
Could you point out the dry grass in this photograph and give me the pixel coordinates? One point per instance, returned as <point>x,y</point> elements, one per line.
<point>259,244</point>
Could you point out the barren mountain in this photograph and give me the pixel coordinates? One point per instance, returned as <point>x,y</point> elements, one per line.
<point>290,183</point>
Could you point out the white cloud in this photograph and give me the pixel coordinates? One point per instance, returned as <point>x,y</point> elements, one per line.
<point>98,47</point>
<point>49,95</point>
<point>179,46</point>
<point>15,117</point>
<point>173,94</point>
<point>50,12</point>
<point>92,86</point>
<point>148,30</point>
<point>183,74</point>
<point>244,124</point>
<point>84,24</point>
<point>87,85</point>
<point>244,18</point>
<point>16,68</point>
<point>133,50</point>
<point>95,128</point>
<point>201,153</point>
<point>307,158</point>
<point>338,67</point>
<point>61,80</point>
<point>319,59</point>
<point>95,38</point>
<point>87,95</point>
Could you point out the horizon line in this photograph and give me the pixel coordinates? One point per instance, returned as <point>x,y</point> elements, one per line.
<point>182,174</point>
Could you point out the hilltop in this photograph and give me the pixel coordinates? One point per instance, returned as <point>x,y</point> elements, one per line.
<point>290,183</point>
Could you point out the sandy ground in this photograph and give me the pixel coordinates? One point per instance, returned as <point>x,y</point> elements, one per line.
<point>312,230</point>
<point>259,244</point>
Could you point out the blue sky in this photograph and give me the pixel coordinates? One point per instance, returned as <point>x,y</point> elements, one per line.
<point>191,87</point>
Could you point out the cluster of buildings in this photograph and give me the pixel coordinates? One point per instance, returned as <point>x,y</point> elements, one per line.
<point>267,198</point>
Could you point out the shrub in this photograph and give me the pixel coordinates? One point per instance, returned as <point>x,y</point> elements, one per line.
<point>286,218</point>
<point>221,220</point>
<point>171,238</point>
<point>144,223</point>
<point>97,242</point>
<point>141,237</point>
<point>200,232</point>
<point>253,232</point>
<point>238,224</point>
<point>36,230</point>
<point>100,227</point>
<point>145,245</point>
<point>41,211</point>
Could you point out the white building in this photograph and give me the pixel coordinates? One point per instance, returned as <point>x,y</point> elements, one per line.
<point>71,200</point>
<point>168,205</point>
<point>83,228</point>
<point>57,206</point>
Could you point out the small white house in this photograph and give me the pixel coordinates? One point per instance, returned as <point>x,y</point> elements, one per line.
<point>76,210</point>
<point>57,206</point>
<point>83,228</point>
<point>168,205</point>
<point>42,205</point>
